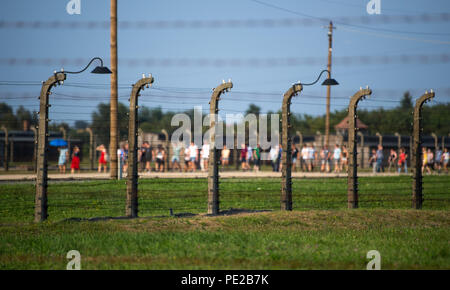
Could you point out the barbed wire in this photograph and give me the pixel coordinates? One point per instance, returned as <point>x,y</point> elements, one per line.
<point>226,23</point>
<point>241,62</point>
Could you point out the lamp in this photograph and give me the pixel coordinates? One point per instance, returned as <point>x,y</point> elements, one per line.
<point>97,70</point>
<point>327,82</point>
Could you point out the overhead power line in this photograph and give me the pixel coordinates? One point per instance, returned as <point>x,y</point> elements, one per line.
<point>344,23</point>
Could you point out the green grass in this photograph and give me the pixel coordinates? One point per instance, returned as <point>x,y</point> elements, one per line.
<point>319,234</point>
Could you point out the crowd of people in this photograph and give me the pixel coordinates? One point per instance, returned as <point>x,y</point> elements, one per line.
<point>63,159</point>
<point>308,158</point>
<point>435,161</point>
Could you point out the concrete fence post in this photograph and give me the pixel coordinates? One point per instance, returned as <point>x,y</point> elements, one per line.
<point>5,159</point>
<point>35,144</point>
<point>91,148</point>
<point>213,166</point>
<point>286,156</point>
<point>435,137</point>
<point>352,179</point>
<point>416,160</point>
<point>300,146</point>
<point>40,202</point>
<point>399,142</point>
<point>167,149</point>
<point>132,174</point>
<point>380,138</point>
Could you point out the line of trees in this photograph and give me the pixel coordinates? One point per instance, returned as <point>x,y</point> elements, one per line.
<point>387,121</point>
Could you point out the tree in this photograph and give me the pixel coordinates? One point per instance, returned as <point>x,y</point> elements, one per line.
<point>406,102</point>
<point>253,109</point>
<point>80,124</point>
<point>7,117</point>
<point>101,122</point>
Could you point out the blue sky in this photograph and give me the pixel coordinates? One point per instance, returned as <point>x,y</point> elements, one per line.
<point>424,38</point>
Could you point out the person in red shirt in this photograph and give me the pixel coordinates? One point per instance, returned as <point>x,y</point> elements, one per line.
<point>75,165</point>
<point>402,161</point>
<point>244,157</point>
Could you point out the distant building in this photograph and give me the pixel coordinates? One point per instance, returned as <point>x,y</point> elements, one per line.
<point>342,127</point>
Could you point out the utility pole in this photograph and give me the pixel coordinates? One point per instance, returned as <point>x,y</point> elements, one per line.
<point>327,116</point>
<point>132,174</point>
<point>113,102</point>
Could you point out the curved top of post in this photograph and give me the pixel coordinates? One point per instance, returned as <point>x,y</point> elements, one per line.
<point>361,94</point>
<point>4,128</point>
<point>424,98</point>
<point>377,134</point>
<point>292,91</point>
<point>299,133</point>
<point>223,87</point>
<point>397,134</point>
<point>144,81</point>
<point>55,79</point>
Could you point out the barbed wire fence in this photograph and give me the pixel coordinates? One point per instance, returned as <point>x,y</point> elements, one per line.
<point>175,197</point>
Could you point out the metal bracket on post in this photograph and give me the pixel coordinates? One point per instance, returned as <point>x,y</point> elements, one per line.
<point>6,159</point>
<point>352,181</point>
<point>416,160</point>
<point>132,174</point>
<point>40,202</point>
<point>213,165</point>
<point>286,156</point>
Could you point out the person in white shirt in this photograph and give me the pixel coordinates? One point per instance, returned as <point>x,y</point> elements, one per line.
<point>187,159</point>
<point>304,155</point>
<point>193,156</point>
<point>205,155</point>
<point>274,156</point>
<point>249,157</point>
<point>311,157</point>
<point>337,158</point>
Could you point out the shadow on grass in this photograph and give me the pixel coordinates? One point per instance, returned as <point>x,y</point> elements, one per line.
<point>231,211</point>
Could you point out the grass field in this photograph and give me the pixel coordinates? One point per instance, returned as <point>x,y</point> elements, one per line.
<point>319,234</point>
